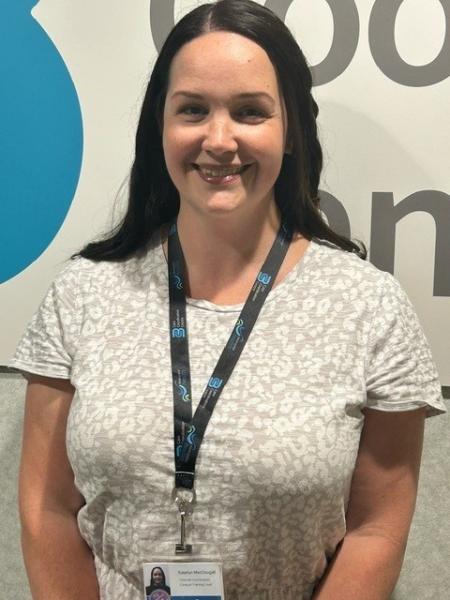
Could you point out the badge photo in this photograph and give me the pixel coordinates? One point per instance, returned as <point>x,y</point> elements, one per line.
<point>183,581</point>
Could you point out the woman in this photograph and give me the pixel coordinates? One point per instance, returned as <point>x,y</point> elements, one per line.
<point>309,464</point>
<point>157,583</point>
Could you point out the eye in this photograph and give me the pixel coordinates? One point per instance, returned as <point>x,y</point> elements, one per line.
<point>194,111</point>
<point>252,113</point>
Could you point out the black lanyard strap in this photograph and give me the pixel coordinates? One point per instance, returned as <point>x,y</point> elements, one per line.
<point>189,429</point>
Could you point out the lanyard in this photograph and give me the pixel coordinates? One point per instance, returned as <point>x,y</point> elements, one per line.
<point>189,429</point>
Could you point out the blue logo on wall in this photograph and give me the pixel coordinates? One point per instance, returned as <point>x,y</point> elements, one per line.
<point>41,139</point>
<point>264,278</point>
<point>215,383</point>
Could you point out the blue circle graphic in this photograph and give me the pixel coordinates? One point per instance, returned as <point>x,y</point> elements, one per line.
<point>41,139</point>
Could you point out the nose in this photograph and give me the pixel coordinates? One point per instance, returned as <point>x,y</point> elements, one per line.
<point>220,135</point>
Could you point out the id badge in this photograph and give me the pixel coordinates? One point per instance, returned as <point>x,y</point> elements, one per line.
<point>179,580</point>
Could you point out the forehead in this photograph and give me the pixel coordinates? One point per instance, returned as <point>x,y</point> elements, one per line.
<point>222,59</point>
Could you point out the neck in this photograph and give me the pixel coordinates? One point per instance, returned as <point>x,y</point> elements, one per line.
<point>223,255</point>
<point>224,250</point>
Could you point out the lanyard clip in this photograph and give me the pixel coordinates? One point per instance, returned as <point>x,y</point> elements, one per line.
<point>184,499</point>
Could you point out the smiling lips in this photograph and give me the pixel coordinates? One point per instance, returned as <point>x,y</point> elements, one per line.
<point>221,175</point>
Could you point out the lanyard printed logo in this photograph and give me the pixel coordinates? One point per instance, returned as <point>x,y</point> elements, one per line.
<point>264,278</point>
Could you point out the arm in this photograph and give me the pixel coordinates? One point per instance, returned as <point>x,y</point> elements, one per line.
<point>59,564</point>
<point>382,500</point>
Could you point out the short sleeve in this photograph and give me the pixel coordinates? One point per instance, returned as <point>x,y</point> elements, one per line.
<point>400,372</point>
<point>48,346</point>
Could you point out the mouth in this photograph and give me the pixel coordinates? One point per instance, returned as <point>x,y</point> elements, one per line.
<point>221,171</point>
<point>221,175</point>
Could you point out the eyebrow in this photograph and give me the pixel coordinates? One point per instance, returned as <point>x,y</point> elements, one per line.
<point>242,96</point>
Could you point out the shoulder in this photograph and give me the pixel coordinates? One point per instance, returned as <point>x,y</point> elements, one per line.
<point>87,277</point>
<point>353,286</point>
<point>347,271</point>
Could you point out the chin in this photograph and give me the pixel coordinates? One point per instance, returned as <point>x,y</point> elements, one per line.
<point>217,206</point>
<point>223,204</point>
<point>223,210</point>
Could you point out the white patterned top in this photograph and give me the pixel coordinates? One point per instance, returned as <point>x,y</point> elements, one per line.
<point>275,467</point>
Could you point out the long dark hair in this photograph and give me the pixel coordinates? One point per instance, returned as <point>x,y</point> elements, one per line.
<point>152,580</point>
<point>153,199</point>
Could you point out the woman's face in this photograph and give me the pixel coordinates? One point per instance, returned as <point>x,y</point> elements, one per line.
<point>224,127</point>
<point>157,576</point>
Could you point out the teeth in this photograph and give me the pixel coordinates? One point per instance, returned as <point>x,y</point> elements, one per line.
<point>221,172</point>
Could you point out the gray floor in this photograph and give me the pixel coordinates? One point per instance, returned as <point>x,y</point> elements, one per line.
<point>426,571</point>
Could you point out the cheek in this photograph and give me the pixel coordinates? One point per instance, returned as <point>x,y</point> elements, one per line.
<point>178,149</point>
<point>269,146</point>
<point>271,160</point>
